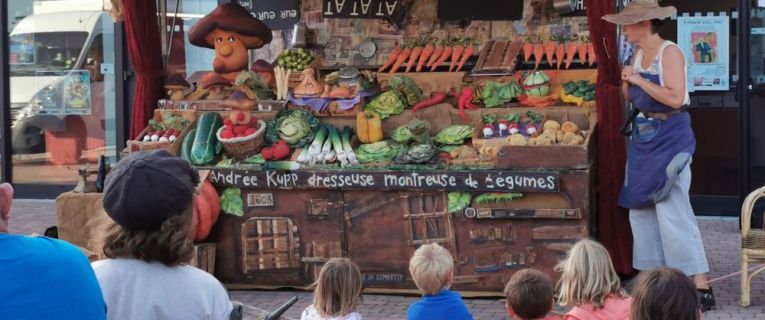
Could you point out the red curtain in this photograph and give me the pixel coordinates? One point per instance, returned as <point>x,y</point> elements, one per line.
<point>613,222</point>
<point>143,42</point>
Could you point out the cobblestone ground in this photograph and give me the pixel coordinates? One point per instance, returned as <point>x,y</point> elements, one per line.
<point>721,240</point>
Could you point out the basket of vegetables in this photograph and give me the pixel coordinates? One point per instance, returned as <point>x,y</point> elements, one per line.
<point>242,141</point>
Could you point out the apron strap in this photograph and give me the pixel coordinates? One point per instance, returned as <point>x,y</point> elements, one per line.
<point>626,129</point>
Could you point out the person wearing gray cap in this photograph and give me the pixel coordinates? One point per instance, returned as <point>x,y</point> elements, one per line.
<point>149,195</point>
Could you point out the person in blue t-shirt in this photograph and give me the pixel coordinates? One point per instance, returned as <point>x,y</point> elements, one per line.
<point>43,278</point>
<point>432,269</point>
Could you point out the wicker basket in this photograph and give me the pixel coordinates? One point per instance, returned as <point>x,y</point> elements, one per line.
<point>244,147</point>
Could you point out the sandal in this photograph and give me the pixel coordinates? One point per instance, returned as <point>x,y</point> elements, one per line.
<point>707,300</point>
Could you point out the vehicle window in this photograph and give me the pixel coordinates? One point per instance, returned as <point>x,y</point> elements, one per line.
<point>50,51</point>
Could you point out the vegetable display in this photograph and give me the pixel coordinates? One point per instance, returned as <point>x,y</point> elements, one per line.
<point>369,127</point>
<point>297,127</point>
<point>494,94</point>
<point>206,144</point>
<point>388,103</point>
<point>537,84</point>
<point>578,89</point>
<point>294,59</point>
<point>166,130</point>
<point>454,135</point>
<point>381,151</point>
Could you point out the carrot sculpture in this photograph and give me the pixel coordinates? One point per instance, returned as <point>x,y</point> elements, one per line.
<point>444,56</point>
<point>571,48</point>
<point>456,55</point>
<point>469,51</point>
<point>582,50</point>
<point>426,53</point>
<point>436,54</point>
<point>391,59</point>
<point>560,54</point>
<point>539,51</point>
<point>528,49</point>
<point>591,54</point>
<point>550,52</point>
<point>401,59</point>
<point>413,57</point>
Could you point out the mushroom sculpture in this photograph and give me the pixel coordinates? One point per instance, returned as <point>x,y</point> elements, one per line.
<point>216,86</point>
<point>175,85</point>
<point>240,106</point>
<point>231,30</point>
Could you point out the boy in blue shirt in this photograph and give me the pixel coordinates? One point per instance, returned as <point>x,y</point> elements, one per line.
<point>43,278</point>
<point>432,269</point>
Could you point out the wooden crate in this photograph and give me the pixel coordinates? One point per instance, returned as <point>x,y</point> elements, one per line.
<point>174,147</point>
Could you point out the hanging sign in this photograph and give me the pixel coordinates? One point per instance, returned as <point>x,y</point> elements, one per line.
<point>276,14</point>
<point>369,9</point>
<point>704,42</point>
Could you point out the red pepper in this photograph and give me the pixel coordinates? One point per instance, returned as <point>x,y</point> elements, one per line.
<point>435,98</point>
<point>281,150</point>
<point>466,101</point>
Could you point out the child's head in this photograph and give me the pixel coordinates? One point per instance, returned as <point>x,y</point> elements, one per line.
<point>664,294</point>
<point>338,288</point>
<point>149,196</point>
<point>529,294</point>
<point>431,267</point>
<point>588,276</point>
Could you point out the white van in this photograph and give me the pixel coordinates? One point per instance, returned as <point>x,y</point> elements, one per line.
<point>44,50</point>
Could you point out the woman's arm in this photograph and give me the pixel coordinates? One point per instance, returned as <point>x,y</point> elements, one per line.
<point>673,92</point>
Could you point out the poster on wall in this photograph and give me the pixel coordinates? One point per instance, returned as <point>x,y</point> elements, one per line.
<point>704,42</point>
<point>76,87</point>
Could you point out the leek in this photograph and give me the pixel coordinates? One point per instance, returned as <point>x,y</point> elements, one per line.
<point>339,152</point>
<point>349,154</point>
<point>314,151</point>
<point>325,150</point>
<point>303,157</point>
<point>282,165</point>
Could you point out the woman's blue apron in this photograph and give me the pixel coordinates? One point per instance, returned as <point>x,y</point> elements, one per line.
<point>659,150</point>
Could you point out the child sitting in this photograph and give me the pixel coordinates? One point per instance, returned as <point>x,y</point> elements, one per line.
<point>431,267</point>
<point>529,296</point>
<point>589,283</point>
<point>665,294</point>
<point>337,293</point>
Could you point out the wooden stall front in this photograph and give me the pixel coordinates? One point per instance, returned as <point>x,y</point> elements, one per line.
<point>294,221</point>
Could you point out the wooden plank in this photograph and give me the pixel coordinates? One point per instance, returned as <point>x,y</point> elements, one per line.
<point>438,180</point>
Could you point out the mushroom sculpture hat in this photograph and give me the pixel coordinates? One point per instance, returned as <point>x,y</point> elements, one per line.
<point>640,10</point>
<point>231,17</point>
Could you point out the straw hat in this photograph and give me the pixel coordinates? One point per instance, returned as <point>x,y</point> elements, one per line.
<point>641,10</point>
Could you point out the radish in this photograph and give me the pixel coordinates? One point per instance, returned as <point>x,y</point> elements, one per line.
<point>503,125</point>
<point>163,139</point>
<point>172,138</point>
<point>488,130</point>
<point>531,128</point>
<point>155,137</point>
<point>513,128</point>
<point>146,137</point>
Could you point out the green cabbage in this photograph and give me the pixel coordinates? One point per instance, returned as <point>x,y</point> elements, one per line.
<point>402,135</point>
<point>380,151</point>
<point>454,135</point>
<point>386,104</point>
<point>458,201</point>
<point>297,127</point>
<point>496,94</point>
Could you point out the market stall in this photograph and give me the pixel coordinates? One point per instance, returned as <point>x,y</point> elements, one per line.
<point>486,147</point>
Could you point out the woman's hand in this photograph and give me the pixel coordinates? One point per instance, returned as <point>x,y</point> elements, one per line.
<point>627,72</point>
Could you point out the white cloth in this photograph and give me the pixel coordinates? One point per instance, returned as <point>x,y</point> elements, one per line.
<point>311,313</point>
<point>667,234</point>
<point>134,289</point>
<point>657,67</point>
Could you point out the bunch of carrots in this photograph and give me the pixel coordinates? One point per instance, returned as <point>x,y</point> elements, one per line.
<point>559,49</point>
<point>431,55</point>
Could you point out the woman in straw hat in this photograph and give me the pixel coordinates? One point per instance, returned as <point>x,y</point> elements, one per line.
<point>662,144</point>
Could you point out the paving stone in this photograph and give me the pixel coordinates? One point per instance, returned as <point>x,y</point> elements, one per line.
<point>722,242</point>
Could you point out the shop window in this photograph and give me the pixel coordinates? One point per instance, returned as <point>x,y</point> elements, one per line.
<point>269,243</point>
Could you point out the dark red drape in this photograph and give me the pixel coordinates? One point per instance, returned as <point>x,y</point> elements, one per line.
<point>143,42</point>
<point>612,222</point>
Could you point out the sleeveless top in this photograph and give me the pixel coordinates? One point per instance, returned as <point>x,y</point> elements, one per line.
<point>659,149</point>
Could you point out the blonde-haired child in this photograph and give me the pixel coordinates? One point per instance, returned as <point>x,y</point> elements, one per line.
<point>337,293</point>
<point>590,284</point>
<point>432,269</point>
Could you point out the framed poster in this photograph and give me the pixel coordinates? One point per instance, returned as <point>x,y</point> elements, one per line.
<point>22,49</point>
<point>76,86</point>
<point>704,42</point>
<point>48,96</point>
